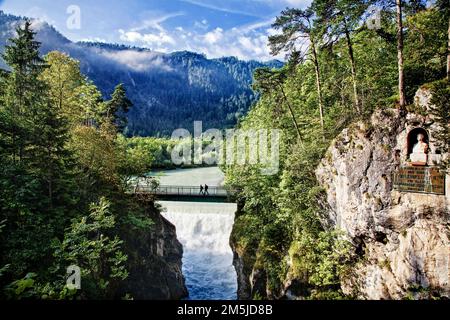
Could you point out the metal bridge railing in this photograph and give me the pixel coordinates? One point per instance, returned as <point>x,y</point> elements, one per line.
<point>181,190</point>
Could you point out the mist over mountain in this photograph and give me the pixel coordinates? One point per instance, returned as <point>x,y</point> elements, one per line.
<point>169,91</point>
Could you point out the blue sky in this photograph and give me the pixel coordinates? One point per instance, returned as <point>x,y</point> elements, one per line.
<point>214,27</point>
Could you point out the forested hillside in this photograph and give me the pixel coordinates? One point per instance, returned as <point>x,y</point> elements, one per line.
<point>64,177</point>
<point>169,91</point>
<point>284,243</point>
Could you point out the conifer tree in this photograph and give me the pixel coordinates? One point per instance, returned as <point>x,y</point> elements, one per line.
<point>116,108</point>
<point>269,82</point>
<point>23,90</point>
<point>298,25</point>
<point>339,18</point>
<point>35,175</point>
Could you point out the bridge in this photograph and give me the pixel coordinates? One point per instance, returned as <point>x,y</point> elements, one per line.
<point>184,193</point>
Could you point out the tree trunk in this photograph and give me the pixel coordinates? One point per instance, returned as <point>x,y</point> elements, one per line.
<point>318,85</point>
<point>401,73</point>
<point>353,66</point>
<point>291,111</point>
<point>448,52</point>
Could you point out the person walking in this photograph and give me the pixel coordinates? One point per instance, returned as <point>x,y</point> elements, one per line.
<point>201,189</point>
<point>206,190</point>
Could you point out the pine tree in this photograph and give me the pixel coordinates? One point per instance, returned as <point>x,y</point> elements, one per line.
<point>339,18</point>
<point>23,90</point>
<point>440,110</point>
<point>116,108</point>
<point>36,168</point>
<point>444,6</point>
<point>298,25</point>
<point>400,58</point>
<point>39,132</point>
<point>272,82</point>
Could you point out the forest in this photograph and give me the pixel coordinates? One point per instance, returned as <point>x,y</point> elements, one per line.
<point>65,168</point>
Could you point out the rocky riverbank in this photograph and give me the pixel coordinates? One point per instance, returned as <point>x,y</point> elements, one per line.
<point>154,262</point>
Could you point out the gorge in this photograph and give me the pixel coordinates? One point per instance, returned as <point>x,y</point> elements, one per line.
<point>357,208</point>
<point>203,228</point>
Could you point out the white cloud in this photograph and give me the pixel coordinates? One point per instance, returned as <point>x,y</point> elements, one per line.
<point>94,39</point>
<point>137,60</point>
<point>291,3</point>
<point>148,39</point>
<point>40,15</point>
<point>209,5</point>
<point>247,42</point>
<point>214,36</point>
<point>38,24</point>
<point>203,25</point>
<point>298,3</point>
<point>257,25</point>
<point>155,22</point>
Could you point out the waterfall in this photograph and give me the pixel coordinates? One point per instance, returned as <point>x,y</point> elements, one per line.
<point>204,231</point>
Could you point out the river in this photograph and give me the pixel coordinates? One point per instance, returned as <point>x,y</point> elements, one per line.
<point>204,231</point>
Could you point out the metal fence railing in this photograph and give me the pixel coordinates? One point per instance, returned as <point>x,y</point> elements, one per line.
<point>181,190</point>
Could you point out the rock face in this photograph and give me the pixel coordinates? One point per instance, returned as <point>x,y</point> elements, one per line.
<point>404,237</point>
<point>154,263</point>
<point>243,272</point>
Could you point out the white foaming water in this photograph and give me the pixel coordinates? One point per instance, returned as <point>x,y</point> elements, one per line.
<point>204,231</point>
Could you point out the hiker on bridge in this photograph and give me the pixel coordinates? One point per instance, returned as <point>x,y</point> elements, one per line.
<point>206,190</point>
<point>201,189</point>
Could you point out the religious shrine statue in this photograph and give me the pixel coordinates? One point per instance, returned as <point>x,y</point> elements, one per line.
<point>419,155</point>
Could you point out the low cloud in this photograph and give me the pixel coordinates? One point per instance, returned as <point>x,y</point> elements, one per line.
<point>40,16</point>
<point>149,39</point>
<point>137,60</point>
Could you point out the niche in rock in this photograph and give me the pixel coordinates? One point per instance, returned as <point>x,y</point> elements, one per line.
<point>418,145</point>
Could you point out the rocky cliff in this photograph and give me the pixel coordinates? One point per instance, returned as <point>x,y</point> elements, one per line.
<point>154,262</point>
<point>400,237</point>
<point>403,238</point>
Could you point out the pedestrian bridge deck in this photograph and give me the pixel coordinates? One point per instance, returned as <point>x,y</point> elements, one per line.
<point>184,193</point>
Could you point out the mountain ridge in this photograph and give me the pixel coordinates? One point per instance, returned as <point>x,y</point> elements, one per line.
<point>168,90</point>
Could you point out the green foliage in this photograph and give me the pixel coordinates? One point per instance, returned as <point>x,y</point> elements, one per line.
<point>426,48</point>
<point>246,233</point>
<point>60,152</point>
<point>139,222</point>
<point>61,149</point>
<point>115,110</point>
<point>440,103</point>
<point>151,153</point>
<point>22,288</point>
<point>86,244</point>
